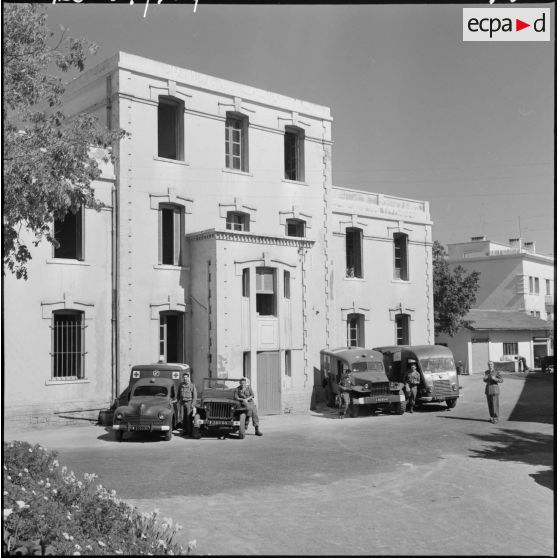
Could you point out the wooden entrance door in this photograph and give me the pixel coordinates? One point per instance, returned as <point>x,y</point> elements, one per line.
<point>269,383</point>
<point>479,360</point>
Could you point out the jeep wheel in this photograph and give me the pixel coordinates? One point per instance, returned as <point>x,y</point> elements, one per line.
<point>118,434</point>
<point>242,425</point>
<point>451,403</point>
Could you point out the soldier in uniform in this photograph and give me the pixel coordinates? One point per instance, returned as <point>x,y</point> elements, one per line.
<point>492,391</point>
<point>345,384</point>
<point>412,381</point>
<point>187,396</point>
<point>245,395</point>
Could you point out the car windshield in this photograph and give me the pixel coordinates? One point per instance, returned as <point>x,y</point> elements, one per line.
<point>368,365</point>
<point>220,384</point>
<point>437,364</point>
<point>141,391</point>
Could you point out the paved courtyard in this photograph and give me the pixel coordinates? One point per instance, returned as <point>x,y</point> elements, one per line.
<point>437,482</point>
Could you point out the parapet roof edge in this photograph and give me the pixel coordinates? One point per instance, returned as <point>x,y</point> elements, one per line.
<point>377,194</point>
<point>148,66</point>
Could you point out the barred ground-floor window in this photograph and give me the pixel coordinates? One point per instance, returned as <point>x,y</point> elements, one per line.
<point>68,345</point>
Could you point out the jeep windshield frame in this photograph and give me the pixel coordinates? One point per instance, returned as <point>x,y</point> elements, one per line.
<point>220,384</point>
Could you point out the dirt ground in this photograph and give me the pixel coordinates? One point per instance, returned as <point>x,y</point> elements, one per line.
<point>437,482</point>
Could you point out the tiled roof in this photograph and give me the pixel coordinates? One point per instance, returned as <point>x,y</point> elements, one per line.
<point>502,319</point>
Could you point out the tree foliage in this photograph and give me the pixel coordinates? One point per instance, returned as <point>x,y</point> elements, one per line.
<point>455,292</point>
<point>47,159</point>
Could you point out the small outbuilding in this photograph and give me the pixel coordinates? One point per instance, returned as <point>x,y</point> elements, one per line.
<point>513,340</point>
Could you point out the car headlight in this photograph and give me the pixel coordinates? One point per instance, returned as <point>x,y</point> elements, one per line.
<point>161,415</point>
<point>454,387</point>
<point>119,415</point>
<point>393,385</point>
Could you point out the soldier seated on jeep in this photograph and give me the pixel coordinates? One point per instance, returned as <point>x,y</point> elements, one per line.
<point>219,410</point>
<point>245,395</point>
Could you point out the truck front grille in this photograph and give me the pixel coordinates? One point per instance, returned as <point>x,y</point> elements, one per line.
<point>441,389</point>
<point>135,420</point>
<point>219,411</point>
<point>380,388</point>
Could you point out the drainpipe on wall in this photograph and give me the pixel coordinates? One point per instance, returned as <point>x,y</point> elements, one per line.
<point>114,303</point>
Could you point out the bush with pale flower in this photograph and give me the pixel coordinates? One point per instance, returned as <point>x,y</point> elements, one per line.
<point>47,510</point>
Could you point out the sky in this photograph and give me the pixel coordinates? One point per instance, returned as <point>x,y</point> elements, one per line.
<point>417,112</point>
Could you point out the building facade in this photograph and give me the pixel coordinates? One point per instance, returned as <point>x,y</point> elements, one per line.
<point>223,244</point>
<point>515,309</point>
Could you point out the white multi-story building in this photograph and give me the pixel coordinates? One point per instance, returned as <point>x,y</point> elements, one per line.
<point>513,276</point>
<point>223,244</point>
<point>515,308</point>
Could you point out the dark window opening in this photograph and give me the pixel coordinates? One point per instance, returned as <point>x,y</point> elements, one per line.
<point>294,154</point>
<point>510,348</point>
<point>170,127</point>
<point>170,241</point>
<point>68,234</point>
<point>402,327</point>
<point>353,246</point>
<point>400,256</point>
<point>246,282</point>
<point>288,364</point>
<point>296,227</point>
<point>171,337</point>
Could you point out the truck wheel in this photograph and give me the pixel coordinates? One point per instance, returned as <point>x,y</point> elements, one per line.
<point>451,403</point>
<point>399,408</point>
<point>118,434</point>
<point>242,425</point>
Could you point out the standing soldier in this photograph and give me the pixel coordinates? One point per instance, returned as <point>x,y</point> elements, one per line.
<point>245,395</point>
<point>187,396</point>
<point>492,391</point>
<point>412,381</point>
<point>345,393</point>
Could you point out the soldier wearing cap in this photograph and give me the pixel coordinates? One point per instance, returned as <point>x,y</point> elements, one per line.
<point>245,395</point>
<point>412,381</point>
<point>492,391</point>
<point>345,385</point>
<point>187,396</point>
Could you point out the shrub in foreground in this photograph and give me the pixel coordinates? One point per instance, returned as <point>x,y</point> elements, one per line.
<point>47,510</point>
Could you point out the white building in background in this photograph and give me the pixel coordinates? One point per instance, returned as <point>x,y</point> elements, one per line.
<point>513,276</point>
<point>223,244</point>
<point>515,309</point>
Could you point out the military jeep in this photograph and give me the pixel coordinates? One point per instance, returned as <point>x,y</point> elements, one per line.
<point>218,411</point>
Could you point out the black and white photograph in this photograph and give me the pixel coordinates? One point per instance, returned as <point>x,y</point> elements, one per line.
<point>279,278</point>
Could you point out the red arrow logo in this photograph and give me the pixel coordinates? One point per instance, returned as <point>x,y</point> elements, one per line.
<point>519,25</point>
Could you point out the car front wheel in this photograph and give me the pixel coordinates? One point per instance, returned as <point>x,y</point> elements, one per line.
<point>168,435</point>
<point>451,403</point>
<point>118,435</point>
<point>242,425</point>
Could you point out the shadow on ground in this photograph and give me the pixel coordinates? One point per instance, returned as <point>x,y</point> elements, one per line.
<point>532,448</point>
<point>536,402</point>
